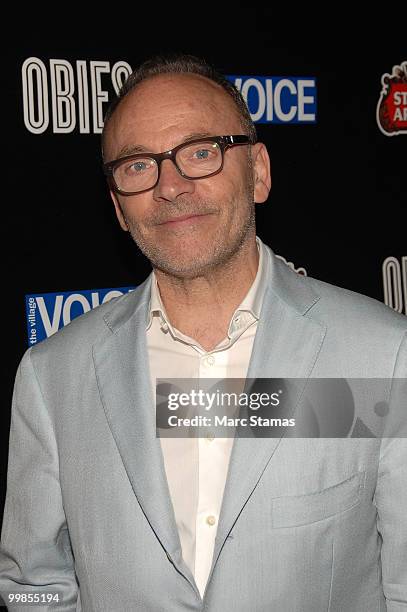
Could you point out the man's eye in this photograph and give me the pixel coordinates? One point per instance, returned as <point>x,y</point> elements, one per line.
<point>137,167</point>
<point>202,154</point>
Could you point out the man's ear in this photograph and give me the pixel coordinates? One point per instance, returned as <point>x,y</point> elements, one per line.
<point>119,212</point>
<point>261,172</point>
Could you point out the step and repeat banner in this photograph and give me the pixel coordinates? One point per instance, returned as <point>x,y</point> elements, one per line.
<point>335,130</point>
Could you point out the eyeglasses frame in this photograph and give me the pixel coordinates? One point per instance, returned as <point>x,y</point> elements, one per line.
<point>224,142</point>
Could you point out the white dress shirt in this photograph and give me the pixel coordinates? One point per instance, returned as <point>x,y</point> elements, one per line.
<point>196,468</point>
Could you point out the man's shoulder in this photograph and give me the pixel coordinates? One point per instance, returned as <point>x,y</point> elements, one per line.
<point>351,319</point>
<point>362,336</point>
<point>341,304</point>
<point>332,305</point>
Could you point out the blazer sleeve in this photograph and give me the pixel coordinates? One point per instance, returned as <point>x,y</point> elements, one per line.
<point>35,550</point>
<point>391,496</point>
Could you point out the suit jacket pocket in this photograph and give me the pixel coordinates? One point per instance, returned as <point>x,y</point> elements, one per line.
<point>293,511</point>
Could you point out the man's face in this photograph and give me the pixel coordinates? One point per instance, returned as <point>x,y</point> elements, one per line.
<point>158,115</point>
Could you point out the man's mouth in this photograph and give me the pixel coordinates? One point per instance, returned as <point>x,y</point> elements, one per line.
<point>184,219</point>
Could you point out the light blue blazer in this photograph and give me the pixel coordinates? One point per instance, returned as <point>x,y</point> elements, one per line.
<point>307,525</point>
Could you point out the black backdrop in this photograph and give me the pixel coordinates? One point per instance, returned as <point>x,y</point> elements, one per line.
<point>337,205</point>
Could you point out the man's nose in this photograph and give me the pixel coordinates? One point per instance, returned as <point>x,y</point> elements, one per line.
<point>171,183</point>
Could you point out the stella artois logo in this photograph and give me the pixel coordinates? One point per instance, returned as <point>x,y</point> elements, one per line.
<point>392,106</point>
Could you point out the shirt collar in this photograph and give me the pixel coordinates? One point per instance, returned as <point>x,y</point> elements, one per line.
<point>250,304</point>
<point>253,300</point>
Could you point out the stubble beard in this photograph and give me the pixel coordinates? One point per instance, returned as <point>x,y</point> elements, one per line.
<point>218,253</point>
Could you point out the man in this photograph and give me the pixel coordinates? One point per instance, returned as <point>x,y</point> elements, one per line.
<point>113,518</point>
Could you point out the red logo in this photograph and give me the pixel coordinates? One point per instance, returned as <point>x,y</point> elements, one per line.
<point>392,107</point>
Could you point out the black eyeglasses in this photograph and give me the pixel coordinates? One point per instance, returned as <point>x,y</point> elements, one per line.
<point>194,160</point>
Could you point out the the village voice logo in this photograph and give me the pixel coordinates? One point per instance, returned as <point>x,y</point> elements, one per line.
<point>46,313</point>
<point>282,100</point>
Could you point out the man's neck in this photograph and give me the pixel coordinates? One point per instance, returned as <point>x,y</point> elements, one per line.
<point>202,307</point>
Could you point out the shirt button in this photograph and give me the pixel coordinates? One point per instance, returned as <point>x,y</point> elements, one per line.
<point>210,360</point>
<point>211,520</point>
<point>210,438</point>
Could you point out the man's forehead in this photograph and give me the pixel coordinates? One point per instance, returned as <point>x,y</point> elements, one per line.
<point>163,96</point>
<point>187,85</point>
<point>172,102</point>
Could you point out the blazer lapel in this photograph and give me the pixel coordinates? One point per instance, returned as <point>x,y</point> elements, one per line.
<point>123,376</point>
<point>287,345</point>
